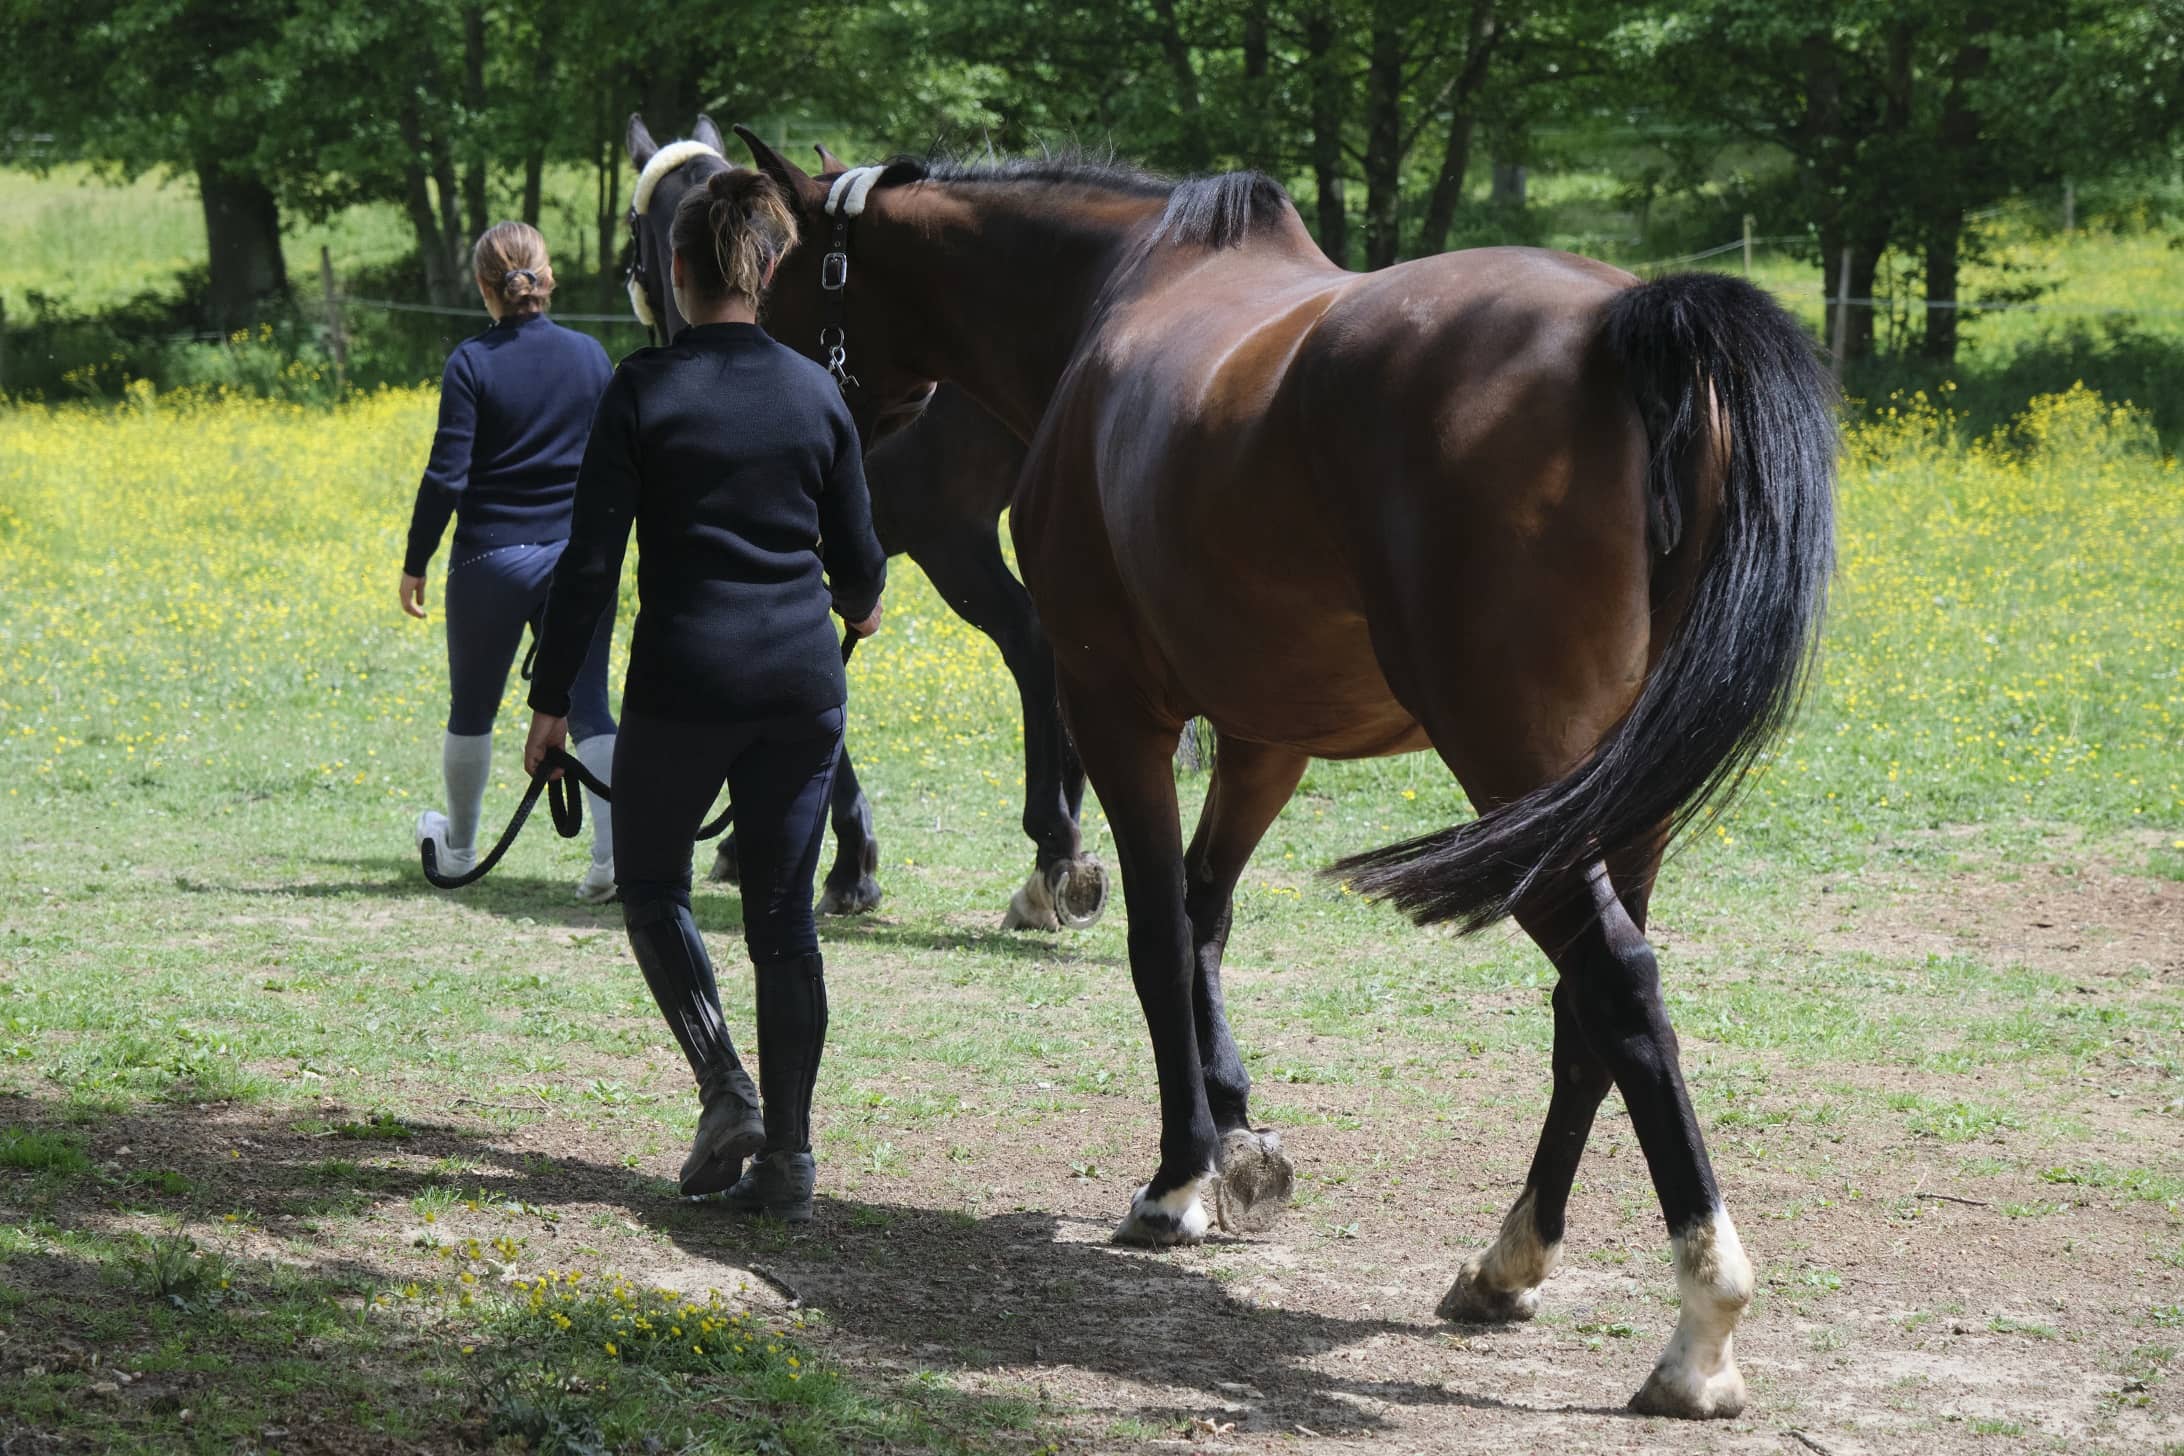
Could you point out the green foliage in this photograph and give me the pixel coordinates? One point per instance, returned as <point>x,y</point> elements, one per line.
<point>37,1151</point>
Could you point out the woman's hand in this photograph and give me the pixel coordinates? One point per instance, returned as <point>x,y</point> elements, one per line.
<point>869,625</point>
<point>546,732</point>
<point>413,595</point>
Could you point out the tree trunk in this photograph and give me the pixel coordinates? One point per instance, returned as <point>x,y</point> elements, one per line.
<point>432,242</point>
<point>1448,187</point>
<point>1384,141</point>
<point>534,152</point>
<point>243,237</point>
<point>1328,98</point>
<point>474,102</point>
<point>608,195</point>
<point>1193,150</point>
<point>1960,126</point>
<point>1509,182</point>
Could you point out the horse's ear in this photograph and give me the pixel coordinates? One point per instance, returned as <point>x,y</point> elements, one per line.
<point>708,132</point>
<point>780,168</point>
<point>828,162</point>
<point>641,145</point>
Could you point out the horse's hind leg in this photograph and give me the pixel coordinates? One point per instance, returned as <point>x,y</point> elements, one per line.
<point>1251,782</point>
<point>851,888</point>
<point>1067,887</point>
<point>1503,1282</point>
<point>1611,987</point>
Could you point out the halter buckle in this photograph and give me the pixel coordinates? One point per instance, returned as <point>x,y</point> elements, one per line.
<point>834,272</point>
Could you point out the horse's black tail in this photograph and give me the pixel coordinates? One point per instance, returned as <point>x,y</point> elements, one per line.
<point>1705,354</point>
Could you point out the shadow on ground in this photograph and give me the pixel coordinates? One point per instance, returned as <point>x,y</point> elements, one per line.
<point>1022,1292</point>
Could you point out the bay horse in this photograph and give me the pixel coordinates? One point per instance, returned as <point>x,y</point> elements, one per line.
<point>939,481</point>
<point>1568,530</point>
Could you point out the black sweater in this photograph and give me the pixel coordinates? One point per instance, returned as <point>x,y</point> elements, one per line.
<point>737,461</point>
<point>515,403</point>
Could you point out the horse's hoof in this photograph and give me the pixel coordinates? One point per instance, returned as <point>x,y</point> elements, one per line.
<point>1079,893</point>
<point>1176,1218</point>
<point>1686,1394</point>
<point>1032,907</point>
<point>853,899</point>
<point>1470,1301</point>
<point>727,869</point>
<point>1255,1183</point>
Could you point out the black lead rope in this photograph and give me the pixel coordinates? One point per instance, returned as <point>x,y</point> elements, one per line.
<point>565,805</point>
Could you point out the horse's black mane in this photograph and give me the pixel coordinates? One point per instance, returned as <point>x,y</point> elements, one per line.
<point>1206,212</point>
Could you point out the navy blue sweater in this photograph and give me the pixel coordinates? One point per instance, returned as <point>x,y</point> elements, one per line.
<point>515,404</point>
<point>737,462</point>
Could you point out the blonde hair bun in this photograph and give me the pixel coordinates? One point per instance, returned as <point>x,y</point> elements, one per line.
<point>510,258</point>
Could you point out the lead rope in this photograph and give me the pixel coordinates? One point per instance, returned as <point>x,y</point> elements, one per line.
<point>566,807</point>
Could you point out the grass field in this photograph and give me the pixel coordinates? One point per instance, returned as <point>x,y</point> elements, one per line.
<point>297,1154</point>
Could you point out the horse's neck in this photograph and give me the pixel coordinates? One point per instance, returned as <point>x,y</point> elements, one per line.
<point>995,291</point>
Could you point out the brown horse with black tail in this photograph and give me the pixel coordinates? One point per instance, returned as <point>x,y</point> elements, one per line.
<point>1568,530</point>
<point>939,483</point>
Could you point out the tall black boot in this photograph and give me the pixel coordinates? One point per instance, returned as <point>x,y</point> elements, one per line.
<point>792,1030</point>
<point>665,937</point>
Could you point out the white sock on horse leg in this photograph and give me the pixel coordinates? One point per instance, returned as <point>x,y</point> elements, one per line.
<point>466,761</point>
<point>597,754</point>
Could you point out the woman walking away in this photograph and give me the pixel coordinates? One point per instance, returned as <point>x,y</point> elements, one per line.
<point>738,464</point>
<point>515,405</point>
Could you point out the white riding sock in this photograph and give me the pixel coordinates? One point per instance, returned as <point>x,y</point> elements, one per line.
<point>597,754</point>
<point>466,760</point>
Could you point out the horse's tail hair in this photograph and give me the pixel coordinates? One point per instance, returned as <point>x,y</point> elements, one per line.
<point>1707,356</point>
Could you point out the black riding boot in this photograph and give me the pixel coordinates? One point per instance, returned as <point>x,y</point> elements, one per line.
<point>665,937</point>
<point>792,1029</point>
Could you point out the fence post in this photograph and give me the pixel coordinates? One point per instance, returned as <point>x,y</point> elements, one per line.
<point>2070,207</point>
<point>1747,245</point>
<point>3,347</point>
<point>335,341</point>
<point>1842,315</point>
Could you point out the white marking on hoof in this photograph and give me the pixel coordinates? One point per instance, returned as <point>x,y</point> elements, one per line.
<point>1255,1182</point>
<point>1175,1218</point>
<point>1032,908</point>
<point>1696,1377</point>
<point>1501,1285</point>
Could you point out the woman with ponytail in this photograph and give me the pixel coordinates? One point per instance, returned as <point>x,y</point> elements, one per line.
<point>735,460</point>
<point>516,405</point>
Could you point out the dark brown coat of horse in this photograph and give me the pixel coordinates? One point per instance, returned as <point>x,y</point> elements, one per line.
<point>1568,530</point>
<point>939,485</point>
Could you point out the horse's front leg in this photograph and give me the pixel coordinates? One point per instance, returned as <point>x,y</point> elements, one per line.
<point>851,887</point>
<point>1126,755</point>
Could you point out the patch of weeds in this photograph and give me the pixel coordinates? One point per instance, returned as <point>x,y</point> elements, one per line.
<point>2003,1324</point>
<point>2142,1184</point>
<point>42,1152</point>
<point>2168,1316</point>
<point>545,1413</point>
<point>173,1185</point>
<point>2031,1210</point>
<point>1995,1426</point>
<point>1953,1121</point>
<point>175,1268</point>
<point>379,1127</point>
<point>1827,1337</point>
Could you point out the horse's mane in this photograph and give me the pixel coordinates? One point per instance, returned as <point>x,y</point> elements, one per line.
<point>1204,212</point>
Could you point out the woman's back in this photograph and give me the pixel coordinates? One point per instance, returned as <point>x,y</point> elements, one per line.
<point>740,464</point>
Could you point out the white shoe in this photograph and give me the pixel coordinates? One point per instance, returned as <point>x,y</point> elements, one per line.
<point>597,886</point>
<point>432,825</point>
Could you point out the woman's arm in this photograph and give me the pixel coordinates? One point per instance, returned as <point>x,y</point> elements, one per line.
<point>856,562</point>
<point>590,570</point>
<point>448,471</point>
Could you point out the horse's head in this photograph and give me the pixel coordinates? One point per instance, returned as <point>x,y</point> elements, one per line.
<point>803,311</point>
<point>664,175</point>
<point>791,309</point>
